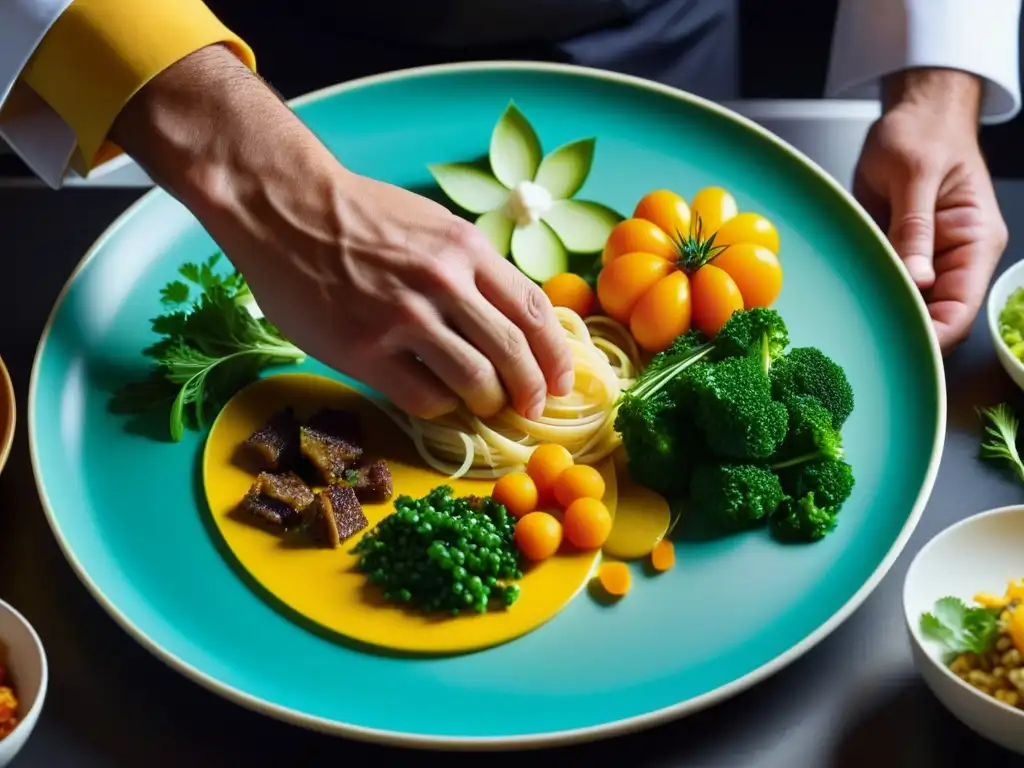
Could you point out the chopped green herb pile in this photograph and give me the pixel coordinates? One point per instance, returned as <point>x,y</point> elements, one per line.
<point>742,431</point>
<point>443,554</point>
<point>212,345</point>
<point>999,441</point>
<point>959,628</point>
<point>1011,323</point>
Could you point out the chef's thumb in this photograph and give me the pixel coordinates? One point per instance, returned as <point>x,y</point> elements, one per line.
<point>912,227</point>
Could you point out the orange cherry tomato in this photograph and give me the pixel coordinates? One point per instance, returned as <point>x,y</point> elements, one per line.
<point>755,270</point>
<point>748,228</point>
<point>517,492</point>
<point>545,464</point>
<point>666,210</point>
<point>587,523</point>
<point>633,235</point>
<point>578,482</point>
<point>662,272</point>
<point>571,291</point>
<point>662,313</point>
<point>623,281</point>
<point>710,209</point>
<point>538,535</point>
<point>715,297</point>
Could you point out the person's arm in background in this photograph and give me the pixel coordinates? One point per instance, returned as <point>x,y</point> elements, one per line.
<point>380,283</point>
<point>940,67</point>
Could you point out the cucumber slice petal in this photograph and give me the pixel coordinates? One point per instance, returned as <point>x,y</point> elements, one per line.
<point>563,172</point>
<point>515,151</point>
<point>497,227</point>
<point>469,186</point>
<point>538,252</point>
<point>581,225</point>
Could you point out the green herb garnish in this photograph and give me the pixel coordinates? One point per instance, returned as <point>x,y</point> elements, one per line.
<point>959,628</point>
<point>999,440</point>
<point>211,346</point>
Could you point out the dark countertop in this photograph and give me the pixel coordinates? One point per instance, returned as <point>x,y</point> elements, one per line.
<point>853,701</point>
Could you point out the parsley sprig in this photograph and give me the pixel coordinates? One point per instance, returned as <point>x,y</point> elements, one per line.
<point>213,342</point>
<point>959,628</point>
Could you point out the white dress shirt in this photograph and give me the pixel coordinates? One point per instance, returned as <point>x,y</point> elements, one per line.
<point>872,38</point>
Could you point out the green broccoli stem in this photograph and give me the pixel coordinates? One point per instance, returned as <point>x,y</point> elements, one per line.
<point>660,378</point>
<point>766,358</point>
<point>803,458</point>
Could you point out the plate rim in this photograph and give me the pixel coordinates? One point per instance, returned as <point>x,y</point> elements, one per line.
<point>610,729</point>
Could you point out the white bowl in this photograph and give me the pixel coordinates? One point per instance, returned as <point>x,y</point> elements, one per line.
<point>25,660</point>
<point>979,554</point>
<point>1008,282</point>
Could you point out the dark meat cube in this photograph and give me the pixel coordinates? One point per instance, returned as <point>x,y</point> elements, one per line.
<point>278,499</point>
<point>329,455</point>
<point>372,481</point>
<point>336,516</point>
<point>341,425</point>
<point>276,444</point>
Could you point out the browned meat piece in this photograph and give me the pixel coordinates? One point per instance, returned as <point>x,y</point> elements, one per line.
<point>329,455</point>
<point>341,425</point>
<point>276,443</point>
<point>336,516</point>
<point>278,499</point>
<point>371,481</point>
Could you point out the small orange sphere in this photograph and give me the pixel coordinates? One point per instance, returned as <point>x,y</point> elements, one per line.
<point>517,492</point>
<point>615,578</point>
<point>538,535</point>
<point>578,482</point>
<point>546,463</point>
<point>587,523</point>
<point>571,291</point>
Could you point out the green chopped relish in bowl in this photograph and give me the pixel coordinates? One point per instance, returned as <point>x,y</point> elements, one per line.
<point>1011,323</point>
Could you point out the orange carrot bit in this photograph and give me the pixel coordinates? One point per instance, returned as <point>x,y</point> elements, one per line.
<point>615,578</point>
<point>663,556</point>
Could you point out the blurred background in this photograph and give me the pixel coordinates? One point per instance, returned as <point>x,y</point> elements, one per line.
<point>784,43</point>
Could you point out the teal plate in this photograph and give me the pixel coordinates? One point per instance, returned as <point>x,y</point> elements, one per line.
<point>126,508</point>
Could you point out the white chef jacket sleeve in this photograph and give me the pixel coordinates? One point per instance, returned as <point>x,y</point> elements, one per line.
<point>28,124</point>
<point>874,38</point>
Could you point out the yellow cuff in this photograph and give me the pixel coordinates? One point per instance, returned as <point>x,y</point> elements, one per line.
<point>99,53</point>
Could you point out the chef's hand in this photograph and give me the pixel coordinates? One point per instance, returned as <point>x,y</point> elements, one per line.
<point>377,282</point>
<point>922,177</point>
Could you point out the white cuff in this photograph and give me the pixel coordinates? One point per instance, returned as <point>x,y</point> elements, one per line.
<point>874,38</point>
<point>35,132</point>
<point>41,138</point>
<point>23,25</point>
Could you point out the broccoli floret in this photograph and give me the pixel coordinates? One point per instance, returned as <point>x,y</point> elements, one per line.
<point>756,331</point>
<point>733,407</point>
<point>802,520</point>
<point>734,496</point>
<point>809,371</point>
<point>658,450</point>
<point>831,481</point>
<point>811,435</point>
<point>683,347</point>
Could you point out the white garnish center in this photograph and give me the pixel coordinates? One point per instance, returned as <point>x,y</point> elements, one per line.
<point>528,203</point>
